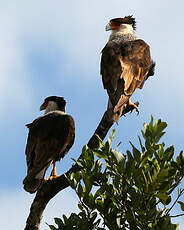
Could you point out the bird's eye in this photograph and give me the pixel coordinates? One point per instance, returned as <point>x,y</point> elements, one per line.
<point>114,25</point>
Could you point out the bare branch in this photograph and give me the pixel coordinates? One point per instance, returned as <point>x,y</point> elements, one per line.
<point>177,215</point>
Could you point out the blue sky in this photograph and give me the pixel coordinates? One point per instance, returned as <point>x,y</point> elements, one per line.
<point>53,48</point>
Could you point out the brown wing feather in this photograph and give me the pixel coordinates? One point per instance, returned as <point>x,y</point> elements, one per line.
<point>50,138</point>
<point>136,64</point>
<point>110,66</point>
<point>125,67</point>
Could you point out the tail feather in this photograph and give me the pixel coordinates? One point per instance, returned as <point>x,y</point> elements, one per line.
<point>121,103</point>
<point>31,185</point>
<point>151,69</point>
<point>34,179</point>
<point>115,112</point>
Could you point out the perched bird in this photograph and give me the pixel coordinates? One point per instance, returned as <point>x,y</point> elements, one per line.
<point>50,138</point>
<point>125,64</point>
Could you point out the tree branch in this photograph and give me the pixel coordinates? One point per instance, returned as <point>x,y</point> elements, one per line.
<point>51,187</point>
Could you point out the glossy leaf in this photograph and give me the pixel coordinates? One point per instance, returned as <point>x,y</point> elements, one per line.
<point>59,222</point>
<point>164,198</point>
<point>100,154</point>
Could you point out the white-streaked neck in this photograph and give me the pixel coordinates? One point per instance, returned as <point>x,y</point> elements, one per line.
<point>52,106</point>
<point>125,33</point>
<point>124,29</point>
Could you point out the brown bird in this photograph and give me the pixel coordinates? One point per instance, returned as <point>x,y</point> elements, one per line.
<point>50,138</point>
<point>125,64</point>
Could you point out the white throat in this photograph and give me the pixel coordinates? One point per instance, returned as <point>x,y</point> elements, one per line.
<point>52,106</point>
<point>125,33</point>
<point>126,29</point>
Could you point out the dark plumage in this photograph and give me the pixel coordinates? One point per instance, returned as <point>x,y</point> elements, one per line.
<point>50,138</point>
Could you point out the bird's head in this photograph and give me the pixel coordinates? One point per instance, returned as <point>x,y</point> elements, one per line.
<point>53,103</point>
<point>124,25</point>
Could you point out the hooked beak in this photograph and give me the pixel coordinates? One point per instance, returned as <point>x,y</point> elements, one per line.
<point>108,27</point>
<point>43,106</point>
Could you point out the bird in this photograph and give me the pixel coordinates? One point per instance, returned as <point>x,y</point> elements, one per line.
<point>49,139</point>
<point>125,64</point>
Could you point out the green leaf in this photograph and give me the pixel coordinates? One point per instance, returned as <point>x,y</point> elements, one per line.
<point>129,163</point>
<point>84,149</point>
<point>93,216</point>
<point>160,126</point>
<point>88,183</point>
<point>89,200</point>
<point>72,176</point>
<point>163,174</point>
<point>111,137</point>
<point>52,227</point>
<point>182,158</point>
<point>136,153</point>
<point>140,142</point>
<point>99,192</point>
<point>151,122</point>
<point>145,179</point>
<point>174,165</point>
<point>65,219</point>
<point>88,159</point>
<point>72,181</point>
<point>59,222</point>
<point>181,205</point>
<point>100,154</point>
<point>130,157</point>
<point>75,176</point>
<point>101,143</point>
<point>107,147</point>
<point>164,186</point>
<point>169,152</point>
<point>97,167</point>
<point>80,191</point>
<point>99,204</point>
<point>78,162</point>
<point>164,198</point>
<point>159,136</point>
<point>172,172</point>
<point>80,206</point>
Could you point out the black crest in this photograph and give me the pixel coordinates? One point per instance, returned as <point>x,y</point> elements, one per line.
<point>59,100</point>
<point>126,20</point>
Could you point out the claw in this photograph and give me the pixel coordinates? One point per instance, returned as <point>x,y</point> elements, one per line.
<point>45,180</point>
<point>134,106</point>
<point>53,177</point>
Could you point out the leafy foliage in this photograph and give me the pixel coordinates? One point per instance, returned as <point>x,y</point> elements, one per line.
<point>127,191</point>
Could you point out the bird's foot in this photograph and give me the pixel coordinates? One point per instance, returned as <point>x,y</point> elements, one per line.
<point>50,178</point>
<point>45,180</point>
<point>53,174</point>
<point>132,107</point>
<point>53,177</point>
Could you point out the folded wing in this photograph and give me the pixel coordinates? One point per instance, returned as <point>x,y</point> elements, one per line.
<point>50,138</point>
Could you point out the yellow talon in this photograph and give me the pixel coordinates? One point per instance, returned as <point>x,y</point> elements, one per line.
<point>134,106</point>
